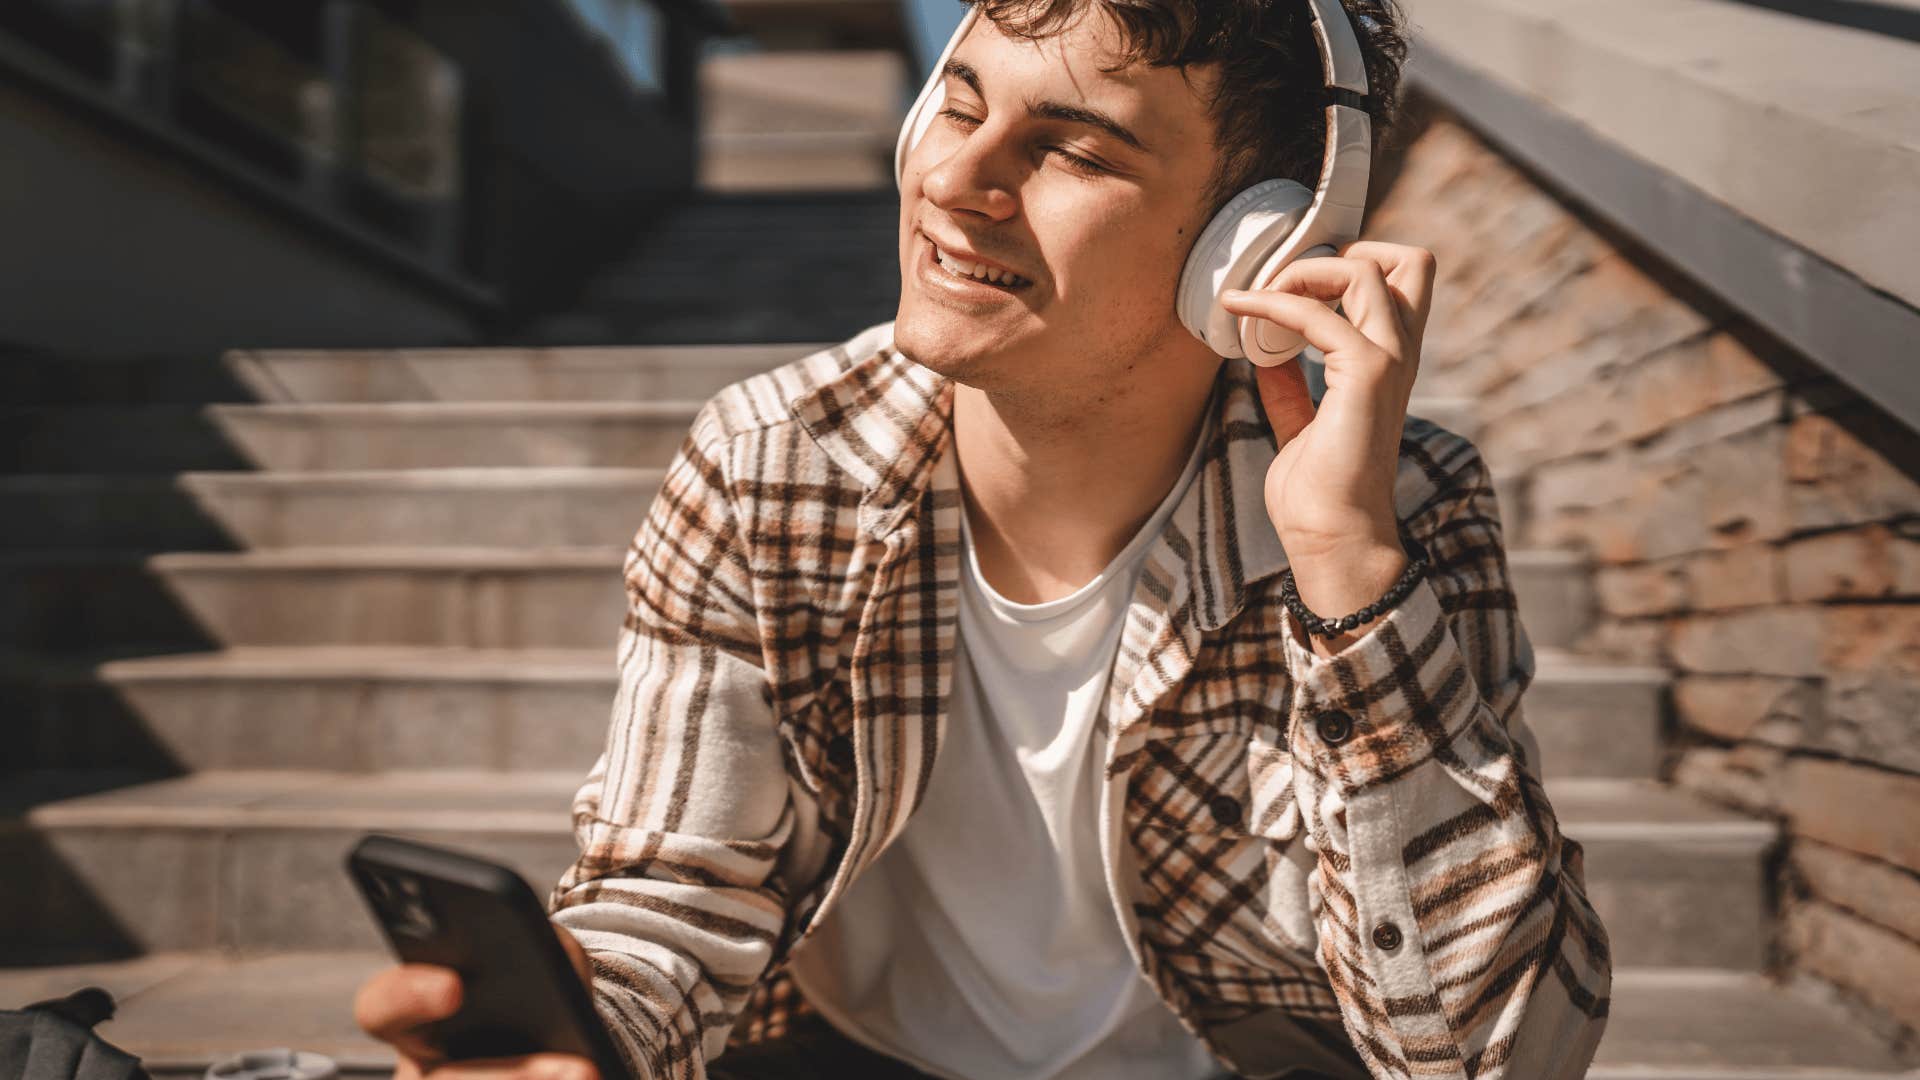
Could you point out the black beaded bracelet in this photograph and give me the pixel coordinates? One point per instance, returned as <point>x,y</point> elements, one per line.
<point>1314,624</point>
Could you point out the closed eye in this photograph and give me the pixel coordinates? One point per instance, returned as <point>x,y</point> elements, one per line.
<point>1078,163</point>
<point>1073,161</point>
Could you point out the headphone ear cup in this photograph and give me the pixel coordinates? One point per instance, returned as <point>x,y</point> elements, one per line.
<point>1267,344</point>
<point>1232,249</point>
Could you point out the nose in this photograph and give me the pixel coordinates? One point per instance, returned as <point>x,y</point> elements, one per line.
<point>971,173</point>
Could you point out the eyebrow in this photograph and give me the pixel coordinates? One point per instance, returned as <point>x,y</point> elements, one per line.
<point>1055,110</point>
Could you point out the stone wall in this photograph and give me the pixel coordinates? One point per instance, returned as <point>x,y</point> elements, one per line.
<point>1753,525</point>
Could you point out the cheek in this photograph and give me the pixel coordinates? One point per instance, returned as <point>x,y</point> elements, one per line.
<point>1122,259</point>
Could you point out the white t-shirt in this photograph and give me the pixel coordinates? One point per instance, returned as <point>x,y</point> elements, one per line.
<point>983,944</point>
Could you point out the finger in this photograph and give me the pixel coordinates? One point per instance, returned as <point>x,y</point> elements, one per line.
<point>1309,318</point>
<point>1361,289</point>
<point>397,1003</point>
<point>1410,273</point>
<point>1288,401</point>
<point>528,1067</point>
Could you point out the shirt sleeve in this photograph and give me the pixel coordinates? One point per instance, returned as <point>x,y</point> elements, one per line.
<point>683,817</point>
<point>1452,914</point>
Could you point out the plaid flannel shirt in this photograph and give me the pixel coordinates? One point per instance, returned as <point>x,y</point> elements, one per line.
<point>785,668</point>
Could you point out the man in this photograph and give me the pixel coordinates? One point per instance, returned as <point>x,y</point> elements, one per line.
<point>969,724</point>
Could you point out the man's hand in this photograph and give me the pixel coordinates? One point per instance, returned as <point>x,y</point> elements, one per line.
<point>396,1004</point>
<point>1330,490</point>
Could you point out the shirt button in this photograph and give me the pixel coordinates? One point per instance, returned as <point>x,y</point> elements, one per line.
<point>1334,727</point>
<point>840,750</point>
<point>1387,936</point>
<point>1226,810</point>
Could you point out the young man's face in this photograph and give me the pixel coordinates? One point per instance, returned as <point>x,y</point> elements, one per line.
<point>1097,243</point>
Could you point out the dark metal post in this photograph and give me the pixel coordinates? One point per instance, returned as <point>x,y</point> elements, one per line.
<point>145,35</point>
<point>334,152</point>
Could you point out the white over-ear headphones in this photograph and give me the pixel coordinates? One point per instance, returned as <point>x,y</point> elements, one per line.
<point>1262,229</point>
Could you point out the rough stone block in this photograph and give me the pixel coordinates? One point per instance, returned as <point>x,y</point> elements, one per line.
<point>1746,576</point>
<point>1871,889</point>
<point>1875,963</point>
<point>1840,478</point>
<point>1866,810</point>
<point>1745,777</point>
<point>1784,640</point>
<point>1868,638</point>
<point>1875,561</point>
<point>1741,706</point>
<point>1581,483</point>
<point>1628,641</point>
<point>1641,589</point>
<point>1686,380</point>
<point>1644,323</point>
<point>1871,716</point>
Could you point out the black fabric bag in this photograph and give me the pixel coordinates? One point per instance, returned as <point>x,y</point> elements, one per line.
<point>54,1040</point>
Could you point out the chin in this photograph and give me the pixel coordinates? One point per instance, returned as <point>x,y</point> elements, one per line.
<point>945,342</point>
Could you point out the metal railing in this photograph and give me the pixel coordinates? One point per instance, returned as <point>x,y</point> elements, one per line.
<point>333,105</point>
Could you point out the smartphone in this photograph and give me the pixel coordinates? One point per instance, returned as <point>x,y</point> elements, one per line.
<point>521,993</point>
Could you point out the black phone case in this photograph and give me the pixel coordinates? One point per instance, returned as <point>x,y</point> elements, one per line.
<point>521,994</point>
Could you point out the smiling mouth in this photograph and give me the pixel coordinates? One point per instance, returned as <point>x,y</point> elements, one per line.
<point>978,273</point>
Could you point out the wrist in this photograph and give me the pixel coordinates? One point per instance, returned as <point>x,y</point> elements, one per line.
<point>1337,597</point>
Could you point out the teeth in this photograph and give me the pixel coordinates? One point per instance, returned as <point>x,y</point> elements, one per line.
<point>976,271</point>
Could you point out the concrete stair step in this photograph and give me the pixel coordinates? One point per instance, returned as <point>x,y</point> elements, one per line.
<point>1594,719</point>
<point>650,373</point>
<point>343,708</point>
<point>1678,881</point>
<point>508,508</point>
<point>47,511</point>
<point>1555,592</point>
<point>246,860</point>
<point>182,1011</point>
<point>251,859</point>
<point>835,270</point>
<point>409,435</point>
<point>801,120</point>
<point>795,161</point>
<point>811,91</point>
<point>31,378</point>
<point>468,597</point>
<point>113,438</point>
<point>90,600</point>
<point>356,707</point>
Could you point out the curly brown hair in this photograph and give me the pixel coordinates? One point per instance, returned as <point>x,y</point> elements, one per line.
<point>1269,103</point>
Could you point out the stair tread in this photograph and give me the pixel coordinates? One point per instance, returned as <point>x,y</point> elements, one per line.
<point>186,1008</point>
<point>392,558</point>
<point>503,478</point>
<point>362,661</point>
<point>455,661</point>
<point>448,411</point>
<point>530,802</point>
<point>1586,808</point>
<point>572,355</point>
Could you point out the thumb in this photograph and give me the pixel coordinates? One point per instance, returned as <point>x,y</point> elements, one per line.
<point>1284,393</point>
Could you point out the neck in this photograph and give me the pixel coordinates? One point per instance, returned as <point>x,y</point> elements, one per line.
<point>1054,492</point>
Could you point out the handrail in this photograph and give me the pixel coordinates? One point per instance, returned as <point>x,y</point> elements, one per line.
<point>1720,179</point>
<point>22,62</point>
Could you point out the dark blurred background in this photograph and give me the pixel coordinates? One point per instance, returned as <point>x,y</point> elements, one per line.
<point>342,343</point>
